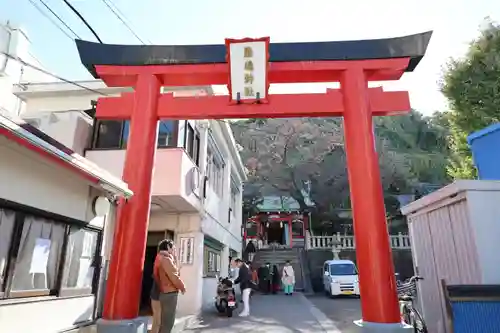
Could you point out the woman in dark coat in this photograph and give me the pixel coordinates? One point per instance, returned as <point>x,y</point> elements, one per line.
<point>276,280</point>
<point>250,250</point>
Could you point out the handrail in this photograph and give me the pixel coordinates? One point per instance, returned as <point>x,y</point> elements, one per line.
<point>341,241</point>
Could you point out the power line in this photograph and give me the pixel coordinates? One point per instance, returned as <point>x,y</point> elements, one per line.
<point>60,20</point>
<point>27,64</point>
<point>117,14</point>
<point>76,84</point>
<point>37,7</point>
<point>111,2</point>
<point>77,13</point>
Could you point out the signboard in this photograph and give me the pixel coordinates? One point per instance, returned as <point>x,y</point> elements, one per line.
<point>186,250</point>
<point>248,61</point>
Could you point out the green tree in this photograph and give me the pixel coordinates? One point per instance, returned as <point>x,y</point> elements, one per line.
<point>283,155</point>
<point>420,142</point>
<point>472,86</point>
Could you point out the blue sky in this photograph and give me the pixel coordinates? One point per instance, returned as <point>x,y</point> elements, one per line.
<point>455,23</point>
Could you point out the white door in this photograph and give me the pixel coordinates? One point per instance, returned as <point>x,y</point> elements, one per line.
<point>326,277</point>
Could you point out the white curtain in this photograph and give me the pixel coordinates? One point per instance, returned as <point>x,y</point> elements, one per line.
<point>39,255</point>
<point>7,219</point>
<point>81,251</point>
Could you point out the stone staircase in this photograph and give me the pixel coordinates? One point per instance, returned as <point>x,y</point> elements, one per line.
<point>280,257</point>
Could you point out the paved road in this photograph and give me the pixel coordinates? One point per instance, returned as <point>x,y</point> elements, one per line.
<point>271,313</point>
<point>342,311</point>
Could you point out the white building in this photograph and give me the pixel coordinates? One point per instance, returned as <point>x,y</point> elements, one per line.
<point>15,43</point>
<point>54,238</point>
<point>197,182</point>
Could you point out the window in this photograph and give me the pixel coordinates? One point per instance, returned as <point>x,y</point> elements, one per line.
<point>108,134</point>
<point>192,143</point>
<point>189,139</point>
<point>197,149</point>
<point>41,256</point>
<point>167,133</point>
<point>113,134</point>
<point>233,204</point>
<point>343,269</point>
<point>79,262</point>
<point>7,219</point>
<point>215,173</point>
<point>212,262</point>
<point>38,257</point>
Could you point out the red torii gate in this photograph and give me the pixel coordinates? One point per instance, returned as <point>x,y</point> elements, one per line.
<point>352,63</point>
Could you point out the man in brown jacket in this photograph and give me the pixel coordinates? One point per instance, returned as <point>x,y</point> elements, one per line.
<point>170,284</point>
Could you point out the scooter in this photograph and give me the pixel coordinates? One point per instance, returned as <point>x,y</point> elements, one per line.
<point>225,301</point>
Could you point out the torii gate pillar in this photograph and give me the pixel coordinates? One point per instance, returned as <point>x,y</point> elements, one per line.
<point>379,302</point>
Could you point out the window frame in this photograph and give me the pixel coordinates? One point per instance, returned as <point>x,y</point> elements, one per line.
<point>16,239</point>
<point>175,134</point>
<point>122,142</point>
<point>95,134</point>
<point>95,263</point>
<point>4,274</point>
<point>21,211</point>
<point>234,193</point>
<point>192,142</point>
<point>215,172</point>
<point>216,256</point>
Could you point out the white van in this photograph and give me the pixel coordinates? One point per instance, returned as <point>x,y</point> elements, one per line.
<point>340,277</point>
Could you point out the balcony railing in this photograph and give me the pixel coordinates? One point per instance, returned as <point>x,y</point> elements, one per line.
<point>346,242</point>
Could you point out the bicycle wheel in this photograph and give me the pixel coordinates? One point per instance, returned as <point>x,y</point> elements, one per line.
<point>406,315</point>
<point>418,322</point>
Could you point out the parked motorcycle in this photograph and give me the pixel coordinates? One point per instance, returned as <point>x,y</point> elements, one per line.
<point>225,301</point>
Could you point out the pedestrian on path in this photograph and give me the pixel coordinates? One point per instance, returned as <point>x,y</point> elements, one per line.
<point>244,280</point>
<point>250,250</point>
<point>288,278</point>
<point>265,278</point>
<point>167,277</point>
<point>155,295</point>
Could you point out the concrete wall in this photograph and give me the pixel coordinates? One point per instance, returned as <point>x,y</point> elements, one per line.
<point>27,179</point>
<point>209,293</point>
<point>71,128</point>
<point>170,175</point>
<point>216,224</point>
<point>43,315</point>
<point>185,225</point>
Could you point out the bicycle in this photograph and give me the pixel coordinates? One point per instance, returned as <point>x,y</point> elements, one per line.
<point>406,293</point>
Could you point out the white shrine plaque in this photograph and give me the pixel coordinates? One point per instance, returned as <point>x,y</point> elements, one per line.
<point>248,61</point>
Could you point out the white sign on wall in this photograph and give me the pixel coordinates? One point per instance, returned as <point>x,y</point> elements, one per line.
<point>248,65</point>
<point>186,250</point>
